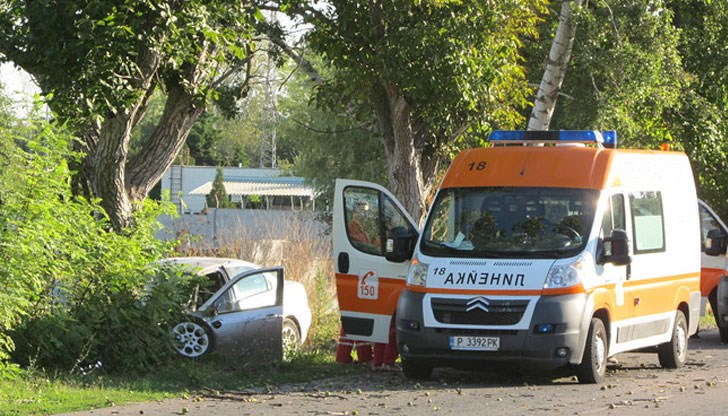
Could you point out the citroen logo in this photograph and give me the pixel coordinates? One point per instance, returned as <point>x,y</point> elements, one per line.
<point>478,303</point>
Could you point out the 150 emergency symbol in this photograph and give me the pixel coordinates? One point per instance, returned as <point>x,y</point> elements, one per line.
<point>368,287</point>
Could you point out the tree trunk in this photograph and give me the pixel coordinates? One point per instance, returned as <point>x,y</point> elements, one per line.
<point>121,183</point>
<point>108,161</point>
<point>553,76</point>
<point>147,167</point>
<point>403,146</point>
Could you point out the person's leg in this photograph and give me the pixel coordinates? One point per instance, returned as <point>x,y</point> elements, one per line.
<point>363,351</point>
<point>343,348</point>
<point>378,358</point>
<point>391,350</point>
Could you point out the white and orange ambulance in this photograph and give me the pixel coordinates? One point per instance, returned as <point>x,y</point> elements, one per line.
<point>550,250</point>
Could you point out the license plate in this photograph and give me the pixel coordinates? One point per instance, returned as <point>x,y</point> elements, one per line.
<point>475,343</point>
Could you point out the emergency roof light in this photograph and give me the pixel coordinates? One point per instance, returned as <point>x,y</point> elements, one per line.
<point>606,138</point>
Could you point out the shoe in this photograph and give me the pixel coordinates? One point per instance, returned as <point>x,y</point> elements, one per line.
<point>390,368</point>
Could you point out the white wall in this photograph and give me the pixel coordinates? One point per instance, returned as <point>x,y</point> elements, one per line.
<point>196,176</point>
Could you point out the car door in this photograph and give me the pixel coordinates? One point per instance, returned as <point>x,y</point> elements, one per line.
<point>367,284</point>
<point>246,315</point>
<point>711,267</point>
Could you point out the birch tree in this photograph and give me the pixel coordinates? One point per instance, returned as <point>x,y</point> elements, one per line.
<point>556,66</point>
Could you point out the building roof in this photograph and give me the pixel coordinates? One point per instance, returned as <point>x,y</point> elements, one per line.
<point>263,186</point>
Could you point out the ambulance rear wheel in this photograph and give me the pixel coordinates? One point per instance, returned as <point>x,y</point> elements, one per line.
<point>416,370</point>
<point>672,354</point>
<point>593,366</point>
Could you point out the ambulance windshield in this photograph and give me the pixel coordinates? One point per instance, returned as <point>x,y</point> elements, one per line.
<point>509,222</point>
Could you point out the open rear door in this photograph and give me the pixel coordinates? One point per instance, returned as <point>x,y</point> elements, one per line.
<point>367,284</point>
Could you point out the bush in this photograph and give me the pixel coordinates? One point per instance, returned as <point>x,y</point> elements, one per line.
<point>74,290</point>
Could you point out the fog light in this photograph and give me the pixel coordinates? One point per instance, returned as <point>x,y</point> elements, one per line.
<point>562,352</point>
<point>411,325</point>
<point>545,329</point>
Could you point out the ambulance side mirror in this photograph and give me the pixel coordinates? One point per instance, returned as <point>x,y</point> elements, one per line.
<point>715,243</point>
<point>617,245</point>
<point>400,244</point>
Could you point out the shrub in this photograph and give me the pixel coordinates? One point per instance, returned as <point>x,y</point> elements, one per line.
<point>74,290</point>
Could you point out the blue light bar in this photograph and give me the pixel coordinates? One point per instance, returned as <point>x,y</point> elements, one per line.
<point>607,138</point>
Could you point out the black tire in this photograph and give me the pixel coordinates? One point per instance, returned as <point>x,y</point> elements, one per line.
<point>713,300</point>
<point>193,338</point>
<point>593,365</point>
<point>290,338</point>
<point>673,353</point>
<point>723,334</point>
<point>416,370</point>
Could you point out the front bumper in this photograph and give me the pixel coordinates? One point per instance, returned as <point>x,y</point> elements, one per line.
<point>525,347</point>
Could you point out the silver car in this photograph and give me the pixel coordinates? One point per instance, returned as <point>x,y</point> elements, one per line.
<point>245,310</point>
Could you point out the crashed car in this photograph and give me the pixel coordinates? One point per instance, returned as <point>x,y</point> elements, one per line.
<point>244,309</point>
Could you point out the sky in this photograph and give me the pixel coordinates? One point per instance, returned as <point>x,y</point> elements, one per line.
<point>19,87</point>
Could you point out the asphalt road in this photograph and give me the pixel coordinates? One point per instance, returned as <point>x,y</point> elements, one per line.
<point>635,385</point>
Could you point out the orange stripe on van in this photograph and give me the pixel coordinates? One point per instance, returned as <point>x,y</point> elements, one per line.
<point>674,279</point>
<point>385,304</point>
<point>709,278</point>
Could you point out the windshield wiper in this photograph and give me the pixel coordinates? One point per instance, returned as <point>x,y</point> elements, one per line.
<point>446,245</point>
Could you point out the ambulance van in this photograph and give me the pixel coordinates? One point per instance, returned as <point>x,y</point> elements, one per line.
<point>550,250</point>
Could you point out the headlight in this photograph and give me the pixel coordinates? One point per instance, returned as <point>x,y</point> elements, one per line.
<point>417,273</point>
<point>567,274</point>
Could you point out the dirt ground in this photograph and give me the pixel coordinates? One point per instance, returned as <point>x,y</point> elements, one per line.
<point>634,385</point>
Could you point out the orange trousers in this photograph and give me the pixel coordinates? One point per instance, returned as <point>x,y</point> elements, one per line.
<point>344,347</point>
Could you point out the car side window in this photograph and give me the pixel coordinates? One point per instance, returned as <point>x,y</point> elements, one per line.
<point>251,292</point>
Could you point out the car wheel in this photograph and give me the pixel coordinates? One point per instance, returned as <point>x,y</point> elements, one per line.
<point>290,337</point>
<point>723,334</point>
<point>593,365</point>
<point>672,354</point>
<point>193,338</point>
<point>713,301</point>
<point>416,370</point>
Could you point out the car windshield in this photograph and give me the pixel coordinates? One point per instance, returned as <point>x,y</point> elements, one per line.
<point>509,221</point>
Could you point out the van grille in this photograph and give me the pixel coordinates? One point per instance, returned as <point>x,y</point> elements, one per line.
<point>478,310</point>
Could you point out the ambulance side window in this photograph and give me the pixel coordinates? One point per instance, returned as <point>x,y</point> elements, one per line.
<point>363,219</point>
<point>393,217</point>
<point>614,216</point>
<point>648,221</point>
<point>707,222</point>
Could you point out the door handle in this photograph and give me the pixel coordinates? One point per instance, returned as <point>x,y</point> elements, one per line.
<point>343,262</point>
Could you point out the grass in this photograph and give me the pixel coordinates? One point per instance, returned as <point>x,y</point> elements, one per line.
<point>31,392</point>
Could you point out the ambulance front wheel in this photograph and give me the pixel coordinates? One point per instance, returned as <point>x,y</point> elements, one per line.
<point>416,370</point>
<point>593,366</point>
<point>672,354</point>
